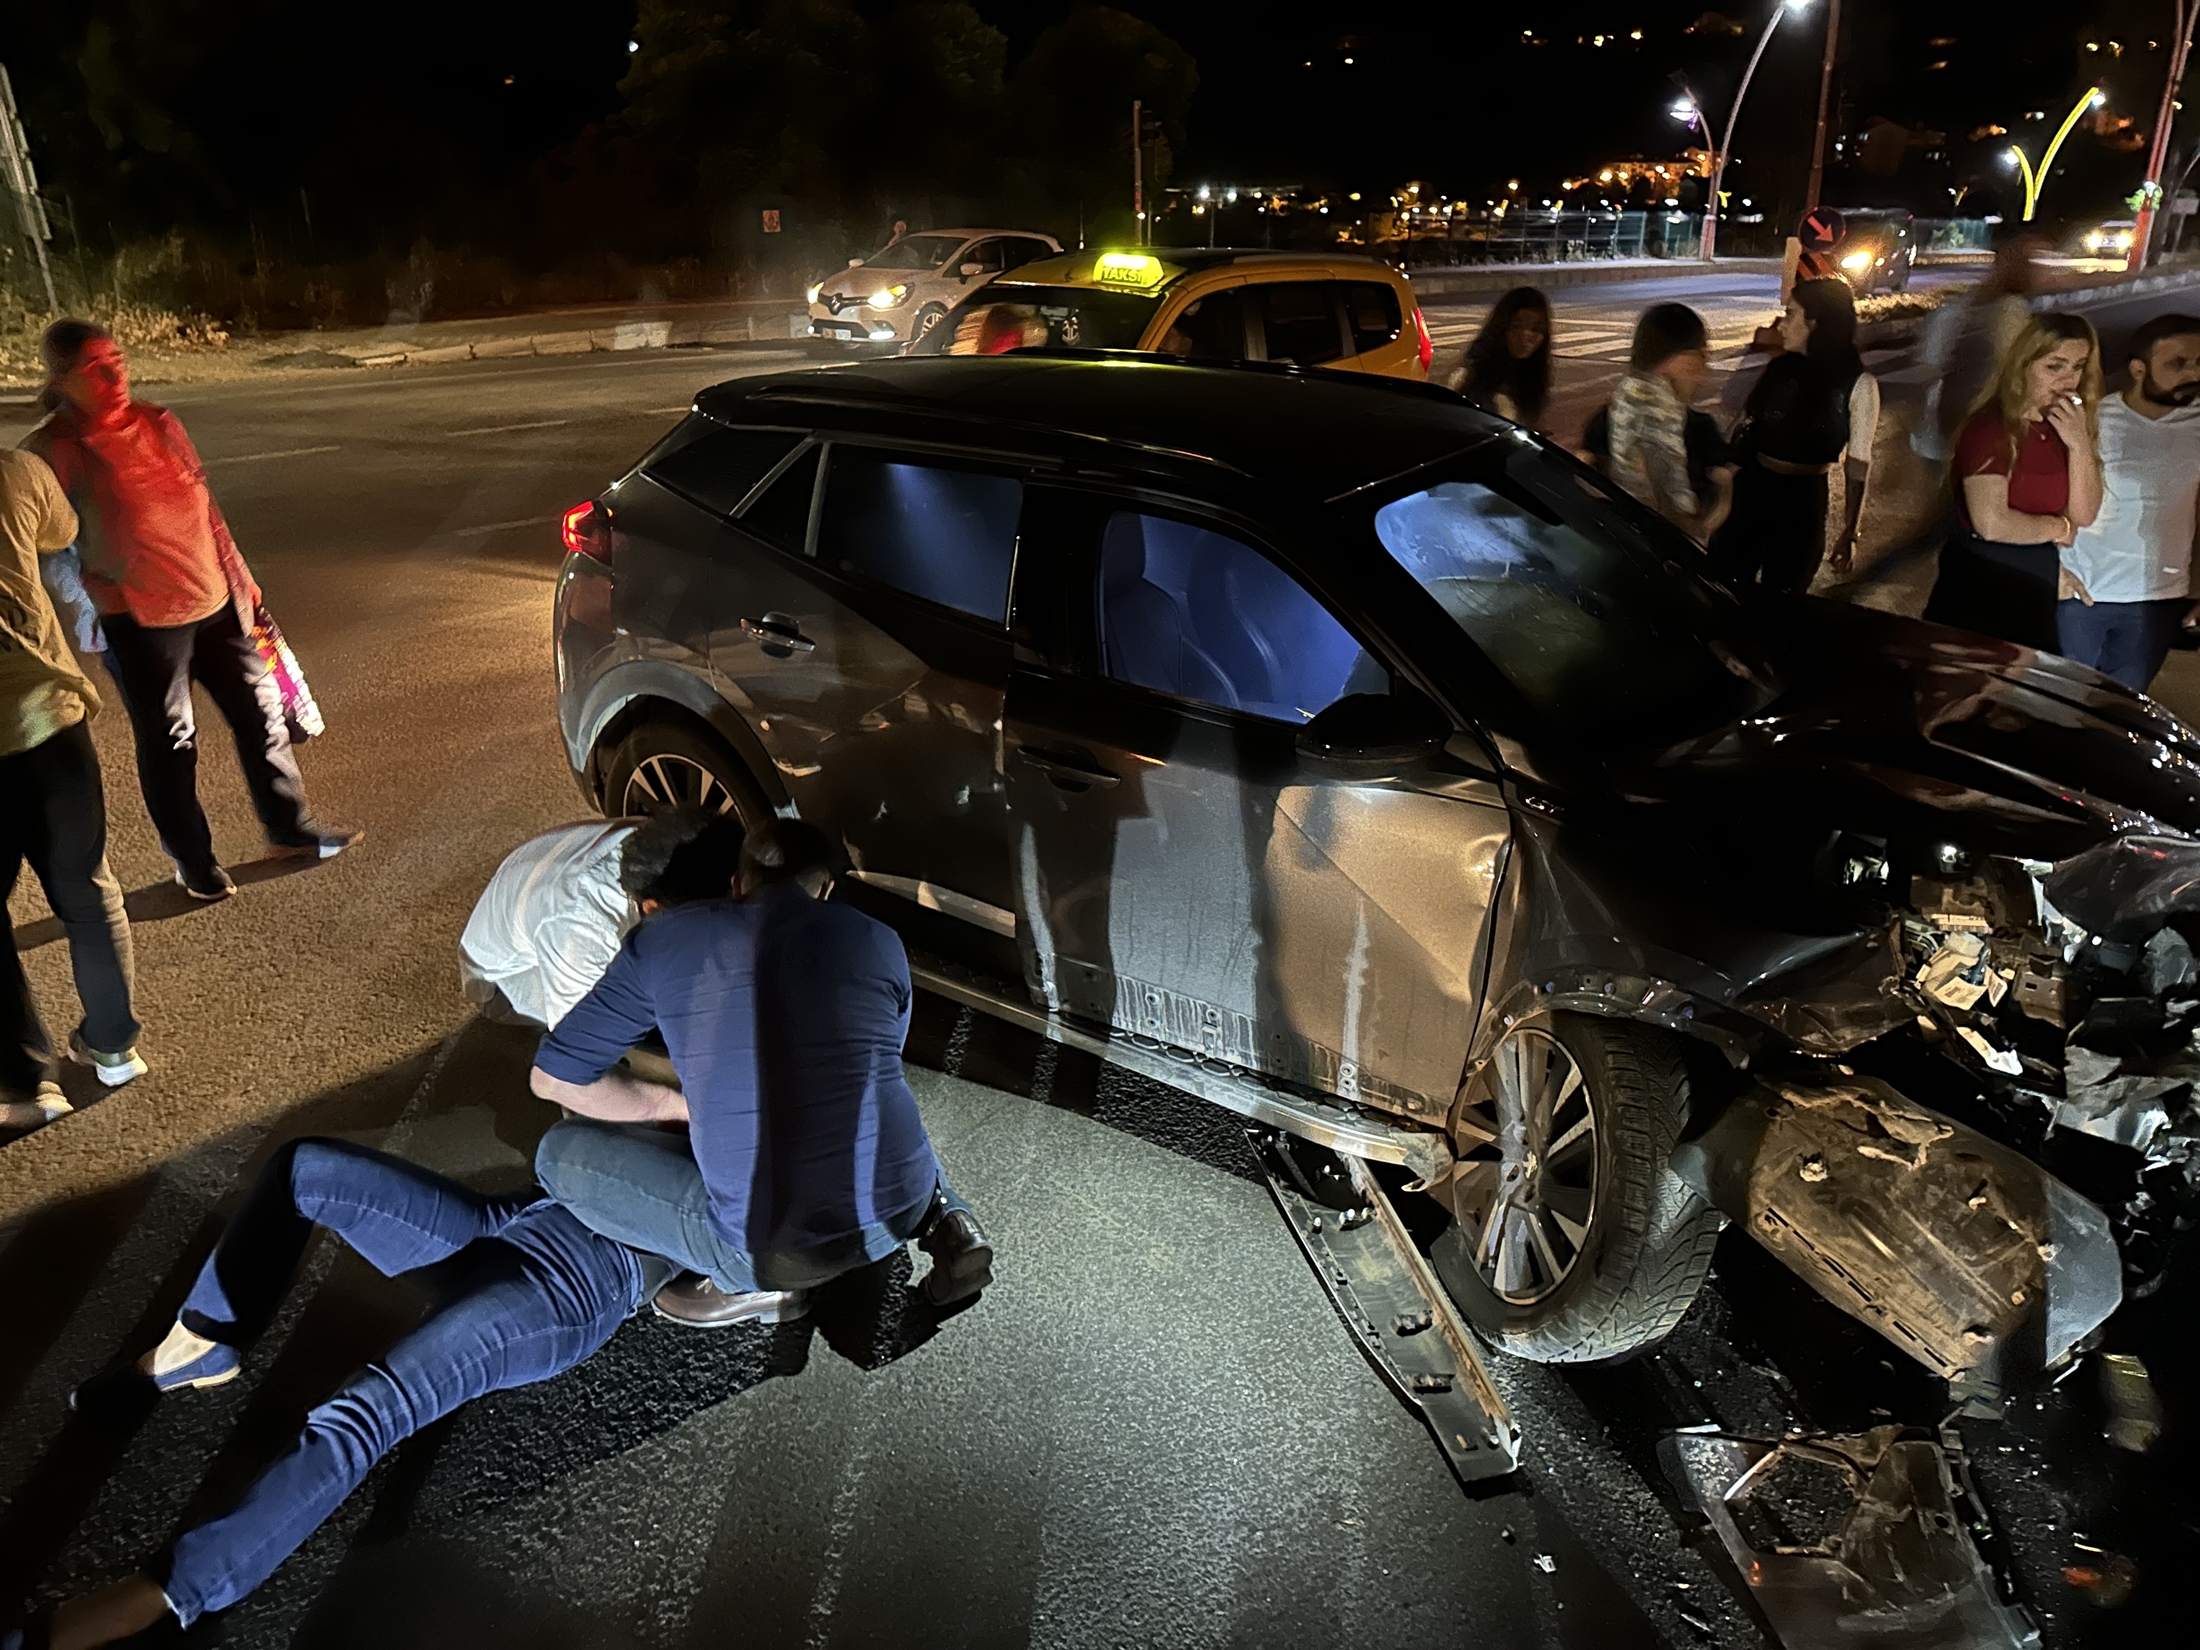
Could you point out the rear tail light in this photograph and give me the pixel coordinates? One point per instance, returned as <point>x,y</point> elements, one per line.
<point>586,529</point>
<point>1428,344</point>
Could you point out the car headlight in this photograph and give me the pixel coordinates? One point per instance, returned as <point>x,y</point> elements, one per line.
<point>815,289</point>
<point>1857,262</point>
<point>2095,241</point>
<point>2121,240</point>
<point>886,297</point>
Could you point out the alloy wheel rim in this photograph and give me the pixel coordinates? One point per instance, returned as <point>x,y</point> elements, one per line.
<point>668,780</point>
<point>1525,1191</point>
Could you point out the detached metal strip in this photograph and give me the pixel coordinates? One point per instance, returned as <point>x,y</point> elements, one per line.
<point>1400,1317</point>
<point>1327,1123</point>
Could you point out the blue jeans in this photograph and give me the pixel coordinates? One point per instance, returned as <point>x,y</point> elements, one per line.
<point>639,1185</point>
<point>2126,640</point>
<point>537,1293</point>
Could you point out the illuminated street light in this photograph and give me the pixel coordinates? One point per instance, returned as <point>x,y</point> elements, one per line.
<point>1734,115</point>
<point>2035,178</point>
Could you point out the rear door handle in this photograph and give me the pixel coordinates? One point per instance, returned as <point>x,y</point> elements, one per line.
<point>1067,771</point>
<point>777,631</point>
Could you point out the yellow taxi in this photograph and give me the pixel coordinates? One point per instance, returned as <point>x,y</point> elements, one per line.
<point>1341,311</point>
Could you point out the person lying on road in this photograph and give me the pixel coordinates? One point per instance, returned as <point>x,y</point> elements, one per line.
<point>785,1016</point>
<point>535,1292</point>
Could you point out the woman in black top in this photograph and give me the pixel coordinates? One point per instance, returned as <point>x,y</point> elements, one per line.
<point>1508,366</point>
<point>1794,430</point>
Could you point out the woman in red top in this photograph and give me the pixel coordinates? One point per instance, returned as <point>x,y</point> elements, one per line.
<point>159,561</point>
<point>2028,476</point>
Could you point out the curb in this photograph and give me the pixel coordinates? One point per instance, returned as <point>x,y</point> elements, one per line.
<point>626,335</point>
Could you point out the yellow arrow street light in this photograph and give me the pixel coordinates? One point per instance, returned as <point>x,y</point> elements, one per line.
<point>2035,178</point>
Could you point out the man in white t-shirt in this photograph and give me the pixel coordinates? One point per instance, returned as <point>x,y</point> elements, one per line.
<point>553,916</point>
<point>2127,579</point>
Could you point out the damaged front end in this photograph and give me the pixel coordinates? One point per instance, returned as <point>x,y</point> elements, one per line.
<point>2050,1014</point>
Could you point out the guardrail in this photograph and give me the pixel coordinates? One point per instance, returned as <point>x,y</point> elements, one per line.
<point>1544,236</point>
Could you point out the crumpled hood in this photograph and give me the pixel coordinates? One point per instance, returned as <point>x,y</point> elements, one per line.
<point>1883,722</point>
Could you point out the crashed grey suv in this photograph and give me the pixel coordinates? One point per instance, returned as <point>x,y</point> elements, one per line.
<point>1367,766</point>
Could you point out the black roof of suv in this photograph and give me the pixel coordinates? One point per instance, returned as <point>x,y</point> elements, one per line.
<point>1310,434</point>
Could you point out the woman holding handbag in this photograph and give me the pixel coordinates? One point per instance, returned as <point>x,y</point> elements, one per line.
<point>177,603</point>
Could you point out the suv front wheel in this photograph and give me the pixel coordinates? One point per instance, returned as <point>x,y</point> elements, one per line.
<point>664,765</point>
<point>1572,1241</point>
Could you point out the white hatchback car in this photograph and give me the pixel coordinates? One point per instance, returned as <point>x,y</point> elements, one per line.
<point>902,291</point>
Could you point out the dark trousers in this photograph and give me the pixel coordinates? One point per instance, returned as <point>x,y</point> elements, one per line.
<point>155,667</point>
<point>535,1294</point>
<point>1776,532</point>
<point>2126,640</point>
<point>53,815</point>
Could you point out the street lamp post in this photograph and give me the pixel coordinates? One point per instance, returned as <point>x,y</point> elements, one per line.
<point>2035,178</point>
<point>2142,234</point>
<point>1734,115</point>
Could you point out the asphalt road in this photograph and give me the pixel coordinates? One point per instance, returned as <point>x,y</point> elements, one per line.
<point>1151,1431</point>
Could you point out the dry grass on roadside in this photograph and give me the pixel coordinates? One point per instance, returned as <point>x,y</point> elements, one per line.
<point>147,331</point>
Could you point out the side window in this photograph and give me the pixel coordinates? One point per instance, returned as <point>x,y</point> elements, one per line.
<point>1022,249</point>
<point>1190,612</point>
<point>1300,319</point>
<point>1372,309</point>
<point>716,467</point>
<point>1210,328</point>
<point>985,254</point>
<point>945,535</point>
<point>781,515</point>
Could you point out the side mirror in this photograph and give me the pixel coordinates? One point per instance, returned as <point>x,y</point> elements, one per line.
<point>1372,736</point>
<point>969,270</point>
<point>855,263</point>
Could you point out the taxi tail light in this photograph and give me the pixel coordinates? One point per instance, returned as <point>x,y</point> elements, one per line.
<point>586,529</point>
<point>1428,344</point>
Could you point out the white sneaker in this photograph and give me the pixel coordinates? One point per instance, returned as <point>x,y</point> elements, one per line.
<point>114,1070</point>
<point>36,1111</point>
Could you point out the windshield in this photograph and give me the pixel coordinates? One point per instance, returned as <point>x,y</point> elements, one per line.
<point>1007,315</point>
<point>1604,630</point>
<point>915,252</point>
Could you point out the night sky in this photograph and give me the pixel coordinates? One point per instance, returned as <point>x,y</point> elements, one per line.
<point>217,112</point>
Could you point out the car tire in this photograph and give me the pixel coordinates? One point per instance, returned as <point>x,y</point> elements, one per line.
<point>662,765</point>
<point>927,318</point>
<point>1630,1242</point>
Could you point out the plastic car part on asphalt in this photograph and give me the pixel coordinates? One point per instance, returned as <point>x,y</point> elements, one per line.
<point>1399,1314</point>
<point>1854,1542</point>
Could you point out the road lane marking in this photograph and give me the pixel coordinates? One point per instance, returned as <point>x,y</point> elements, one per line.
<point>500,527</point>
<point>287,452</point>
<point>506,429</point>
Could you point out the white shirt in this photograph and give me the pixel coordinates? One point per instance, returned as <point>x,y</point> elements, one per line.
<point>549,922</point>
<point>1863,418</point>
<point>2139,549</point>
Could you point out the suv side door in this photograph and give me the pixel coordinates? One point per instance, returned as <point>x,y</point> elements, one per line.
<point>869,653</point>
<point>1182,874</point>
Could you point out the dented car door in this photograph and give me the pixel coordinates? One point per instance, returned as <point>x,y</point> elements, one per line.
<point>1183,873</point>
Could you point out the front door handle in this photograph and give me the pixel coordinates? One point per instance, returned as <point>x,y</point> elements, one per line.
<point>1067,771</point>
<point>779,634</point>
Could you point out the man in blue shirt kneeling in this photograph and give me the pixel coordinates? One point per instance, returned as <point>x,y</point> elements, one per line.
<point>804,1156</point>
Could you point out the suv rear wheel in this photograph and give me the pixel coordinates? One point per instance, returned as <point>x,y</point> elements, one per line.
<point>1572,1241</point>
<point>663,765</point>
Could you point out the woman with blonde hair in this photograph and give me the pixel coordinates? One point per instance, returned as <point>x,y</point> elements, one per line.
<point>2027,476</point>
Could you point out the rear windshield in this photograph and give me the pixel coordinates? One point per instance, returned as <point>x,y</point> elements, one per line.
<point>1008,315</point>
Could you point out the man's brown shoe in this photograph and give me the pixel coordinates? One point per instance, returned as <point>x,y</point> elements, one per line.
<point>694,1300</point>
